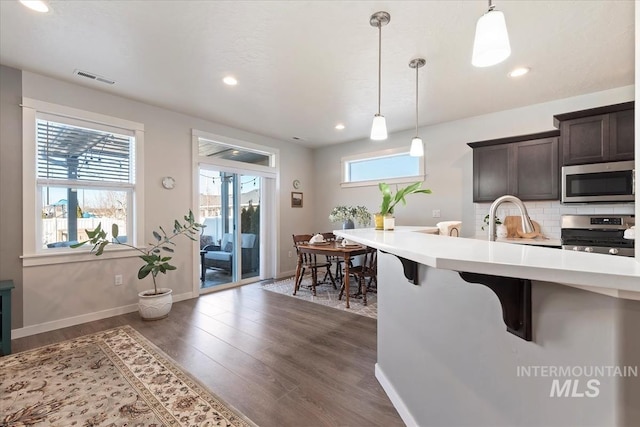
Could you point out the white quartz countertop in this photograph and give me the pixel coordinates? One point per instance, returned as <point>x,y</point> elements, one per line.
<point>611,275</point>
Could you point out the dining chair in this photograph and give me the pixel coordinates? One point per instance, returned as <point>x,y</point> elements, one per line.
<point>368,269</point>
<point>334,259</point>
<point>310,261</point>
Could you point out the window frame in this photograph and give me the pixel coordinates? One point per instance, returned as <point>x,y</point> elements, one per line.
<point>390,152</point>
<point>33,253</point>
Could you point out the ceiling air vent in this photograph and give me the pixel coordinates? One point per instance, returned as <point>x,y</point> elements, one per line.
<point>92,76</point>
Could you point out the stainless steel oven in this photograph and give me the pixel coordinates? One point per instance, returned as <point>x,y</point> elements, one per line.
<point>599,183</point>
<point>603,234</point>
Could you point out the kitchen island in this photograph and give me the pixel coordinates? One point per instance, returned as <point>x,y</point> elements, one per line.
<point>445,359</point>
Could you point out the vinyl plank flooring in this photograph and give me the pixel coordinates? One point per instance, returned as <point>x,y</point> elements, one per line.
<point>279,360</point>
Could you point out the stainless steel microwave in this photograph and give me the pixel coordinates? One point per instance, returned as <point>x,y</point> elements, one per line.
<point>599,183</point>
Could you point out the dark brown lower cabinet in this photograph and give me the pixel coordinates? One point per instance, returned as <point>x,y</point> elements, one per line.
<point>525,166</point>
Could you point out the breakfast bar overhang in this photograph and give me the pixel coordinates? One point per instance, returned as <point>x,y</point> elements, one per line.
<point>445,358</point>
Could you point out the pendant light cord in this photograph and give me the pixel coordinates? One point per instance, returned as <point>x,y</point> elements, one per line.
<point>379,64</point>
<point>417,101</point>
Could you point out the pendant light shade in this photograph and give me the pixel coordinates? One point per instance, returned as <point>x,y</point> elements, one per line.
<point>491,44</point>
<point>379,126</point>
<point>416,150</point>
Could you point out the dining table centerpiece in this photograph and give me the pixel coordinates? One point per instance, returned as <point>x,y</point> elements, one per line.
<point>348,215</point>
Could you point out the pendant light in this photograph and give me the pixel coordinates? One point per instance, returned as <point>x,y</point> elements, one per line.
<point>379,127</point>
<point>491,44</point>
<point>416,143</point>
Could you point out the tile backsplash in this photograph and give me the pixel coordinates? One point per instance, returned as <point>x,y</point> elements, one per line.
<point>548,213</point>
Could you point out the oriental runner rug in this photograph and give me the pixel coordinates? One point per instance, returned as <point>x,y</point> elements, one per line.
<point>327,296</point>
<point>111,378</point>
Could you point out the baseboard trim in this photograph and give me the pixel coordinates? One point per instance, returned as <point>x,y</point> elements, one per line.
<point>397,402</point>
<point>83,318</point>
<point>285,274</point>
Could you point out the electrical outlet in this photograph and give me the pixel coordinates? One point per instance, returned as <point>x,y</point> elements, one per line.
<point>435,213</point>
<point>290,254</point>
<point>117,280</point>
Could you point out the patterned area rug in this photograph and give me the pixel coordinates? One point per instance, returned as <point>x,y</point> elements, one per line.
<point>326,295</point>
<point>111,378</point>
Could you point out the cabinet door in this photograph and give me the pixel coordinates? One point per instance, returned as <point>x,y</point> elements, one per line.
<point>622,136</point>
<point>490,172</point>
<point>536,169</point>
<point>585,140</point>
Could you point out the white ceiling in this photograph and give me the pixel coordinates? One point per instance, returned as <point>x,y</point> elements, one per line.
<point>304,66</point>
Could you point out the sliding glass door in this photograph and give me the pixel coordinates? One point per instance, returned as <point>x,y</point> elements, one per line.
<point>230,242</point>
<point>235,195</point>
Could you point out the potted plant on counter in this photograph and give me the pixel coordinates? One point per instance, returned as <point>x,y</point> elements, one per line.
<point>350,214</point>
<point>384,219</point>
<point>501,230</point>
<point>153,303</point>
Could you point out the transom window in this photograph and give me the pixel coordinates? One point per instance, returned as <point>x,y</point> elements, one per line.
<point>391,166</point>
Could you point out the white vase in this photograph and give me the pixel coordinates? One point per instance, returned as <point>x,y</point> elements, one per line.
<point>389,222</point>
<point>501,231</point>
<point>154,307</point>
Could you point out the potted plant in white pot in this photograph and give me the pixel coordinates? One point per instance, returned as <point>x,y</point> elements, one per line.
<point>154,303</point>
<point>384,219</point>
<point>501,229</point>
<point>350,214</point>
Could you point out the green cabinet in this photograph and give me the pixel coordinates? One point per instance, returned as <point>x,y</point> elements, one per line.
<point>5,316</point>
<point>524,166</point>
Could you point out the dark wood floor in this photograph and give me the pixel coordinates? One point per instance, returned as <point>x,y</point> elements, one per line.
<point>279,360</point>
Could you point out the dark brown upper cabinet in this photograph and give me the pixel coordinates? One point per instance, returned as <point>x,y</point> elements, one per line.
<point>604,134</point>
<point>524,166</point>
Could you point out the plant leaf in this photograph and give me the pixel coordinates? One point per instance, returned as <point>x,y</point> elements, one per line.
<point>144,271</point>
<point>101,247</point>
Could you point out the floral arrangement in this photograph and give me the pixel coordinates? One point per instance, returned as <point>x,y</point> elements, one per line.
<point>358,214</point>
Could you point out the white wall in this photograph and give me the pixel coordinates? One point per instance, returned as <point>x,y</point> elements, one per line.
<point>53,293</point>
<point>448,159</point>
<point>446,359</point>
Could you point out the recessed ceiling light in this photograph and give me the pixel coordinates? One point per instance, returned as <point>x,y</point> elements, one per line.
<point>230,80</point>
<point>339,126</point>
<point>37,5</point>
<point>519,72</point>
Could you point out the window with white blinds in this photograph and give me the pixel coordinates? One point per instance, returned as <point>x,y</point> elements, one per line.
<point>72,153</point>
<point>84,176</point>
